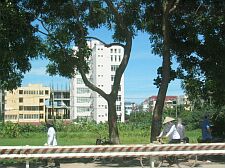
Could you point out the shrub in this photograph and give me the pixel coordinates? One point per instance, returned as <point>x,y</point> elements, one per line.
<point>11,130</point>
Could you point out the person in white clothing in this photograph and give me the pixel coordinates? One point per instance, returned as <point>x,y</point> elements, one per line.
<point>170,131</point>
<point>51,140</point>
<point>51,135</point>
<point>181,131</point>
<point>180,128</point>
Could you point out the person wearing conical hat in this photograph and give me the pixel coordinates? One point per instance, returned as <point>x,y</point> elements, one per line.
<point>170,130</point>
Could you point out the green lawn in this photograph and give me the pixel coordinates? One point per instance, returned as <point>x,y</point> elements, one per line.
<point>84,138</point>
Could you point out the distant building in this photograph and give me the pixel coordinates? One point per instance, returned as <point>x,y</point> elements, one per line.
<point>130,107</point>
<point>185,102</point>
<point>60,108</point>
<point>26,104</point>
<point>170,102</point>
<point>145,105</point>
<point>86,104</point>
<point>149,104</point>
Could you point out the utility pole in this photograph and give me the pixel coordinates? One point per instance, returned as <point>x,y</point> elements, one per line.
<point>52,97</point>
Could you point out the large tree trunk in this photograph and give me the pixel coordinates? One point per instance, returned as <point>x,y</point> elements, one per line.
<point>158,110</point>
<point>112,121</point>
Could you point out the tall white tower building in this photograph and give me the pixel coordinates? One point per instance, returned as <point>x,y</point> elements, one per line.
<point>87,104</point>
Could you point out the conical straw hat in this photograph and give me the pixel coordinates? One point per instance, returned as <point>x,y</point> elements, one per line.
<point>168,119</point>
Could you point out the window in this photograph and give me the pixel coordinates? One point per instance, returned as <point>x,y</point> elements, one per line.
<point>20,116</point>
<point>41,108</point>
<point>115,50</point>
<point>118,98</point>
<point>119,58</point>
<point>20,91</point>
<point>66,95</point>
<point>31,116</point>
<point>10,117</point>
<point>41,100</point>
<point>111,57</point>
<point>57,95</point>
<point>112,77</point>
<point>83,99</point>
<point>118,107</point>
<point>111,50</point>
<point>83,109</point>
<point>46,92</point>
<point>41,116</point>
<point>20,108</point>
<point>21,100</point>
<point>82,90</point>
<point>114,67</point>
<point>115,58</point>
<point>80,81</point>
<point>119,50</point>
<point>32,108</point>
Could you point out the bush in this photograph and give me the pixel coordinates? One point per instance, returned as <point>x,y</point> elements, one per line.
<point>11,130</point>
<point>218,122</point>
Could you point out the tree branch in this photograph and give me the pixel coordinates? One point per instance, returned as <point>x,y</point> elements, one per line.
<point>84,77</point>
<point>91,85</point>
<point>175,3</point>
<point>43,32</point>
<point>106,45</point>
<point>48,34</point>
<point>198,8</point>
<point>115,12</point>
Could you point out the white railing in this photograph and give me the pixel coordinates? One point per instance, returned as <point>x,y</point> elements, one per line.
<point>103,151</point>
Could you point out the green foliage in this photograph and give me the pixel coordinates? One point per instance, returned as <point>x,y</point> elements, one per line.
<point>218,121</point>
<point>18,43</point>
<point>192,119</point>
<point>140,117</point>
<point>197,40</point>
<point>10,130</point>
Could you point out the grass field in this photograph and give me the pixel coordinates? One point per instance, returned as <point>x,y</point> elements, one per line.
<point>85,138</point>
<point>135,136</point>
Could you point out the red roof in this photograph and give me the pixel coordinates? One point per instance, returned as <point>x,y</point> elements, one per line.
<point>154,98</point>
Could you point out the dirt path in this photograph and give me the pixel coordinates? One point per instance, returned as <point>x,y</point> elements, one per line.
<point>116,163</point>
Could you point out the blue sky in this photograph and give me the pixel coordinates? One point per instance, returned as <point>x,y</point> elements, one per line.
<point>139,74</point>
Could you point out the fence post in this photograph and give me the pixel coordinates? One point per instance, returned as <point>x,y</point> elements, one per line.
<point>27,163</point>
<point>27,160</point>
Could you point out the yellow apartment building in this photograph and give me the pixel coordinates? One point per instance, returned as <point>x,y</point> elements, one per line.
<point>26,104</point>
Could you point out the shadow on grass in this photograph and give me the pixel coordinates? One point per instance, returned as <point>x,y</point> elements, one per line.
<point>99,162</point>
<point>106,162</point>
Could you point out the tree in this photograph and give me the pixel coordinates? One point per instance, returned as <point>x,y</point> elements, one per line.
<point>66,23</point>
<point>192,33</point>
<point>18,43</point>
<point>202,60</point>
<point>157,16</point>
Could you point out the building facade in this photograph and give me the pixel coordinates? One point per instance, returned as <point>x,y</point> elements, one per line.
<point>26,104</point>
<point>130,107</point>
<point>58,106</point>
<point>149,104</point>
<point>89,105</point>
